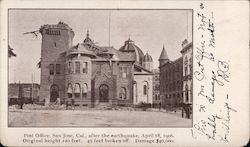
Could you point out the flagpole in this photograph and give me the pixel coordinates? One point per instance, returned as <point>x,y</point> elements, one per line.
<point>109,26</point>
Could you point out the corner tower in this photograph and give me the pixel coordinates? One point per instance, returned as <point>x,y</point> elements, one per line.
<point>56,40</point>
<point>78,74</point>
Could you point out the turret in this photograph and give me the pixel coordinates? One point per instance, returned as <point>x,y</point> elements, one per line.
<point>163,57</point>
<point>147,62</point>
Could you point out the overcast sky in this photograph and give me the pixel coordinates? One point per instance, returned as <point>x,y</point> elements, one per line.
<point>149,29</point>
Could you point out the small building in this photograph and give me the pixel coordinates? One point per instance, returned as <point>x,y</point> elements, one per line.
<point>171,81</point>
<point>187,54</point>
<point>156,88</point>
<point>28,91</point>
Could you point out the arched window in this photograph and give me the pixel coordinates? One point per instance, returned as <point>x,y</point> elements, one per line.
<point>84,90</point>
<point>186,91</point>
<point>77,90</point>
<point>123,93</point>
<point>69,91</point>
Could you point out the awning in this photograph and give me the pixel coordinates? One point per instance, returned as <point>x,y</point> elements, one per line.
<point>77,88</point>
<point>69,89</point>
<point>84,88</point>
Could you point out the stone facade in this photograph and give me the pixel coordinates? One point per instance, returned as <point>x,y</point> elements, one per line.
<point>156,87</point>
<point>187,72</point>
<point>171,83</point>
<point>89,74</point>
<point>176,80</point>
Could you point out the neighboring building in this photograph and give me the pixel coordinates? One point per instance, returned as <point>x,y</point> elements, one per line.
<point>170,81</point>
<point>27,91</point>
<point>156,87</point>
<point>187,53</point>
<point>91,74</point>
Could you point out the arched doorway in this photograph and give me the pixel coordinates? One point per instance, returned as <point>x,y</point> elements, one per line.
<point>104,93</point>
<point>54,93</point>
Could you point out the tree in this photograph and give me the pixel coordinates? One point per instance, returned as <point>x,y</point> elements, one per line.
<point>10,52</point>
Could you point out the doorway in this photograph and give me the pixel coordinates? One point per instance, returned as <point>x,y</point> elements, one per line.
<point>104,93</point>
<point>54,93</point>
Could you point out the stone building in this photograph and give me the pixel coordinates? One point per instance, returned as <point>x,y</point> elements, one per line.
<point>171,80</point>
<point>91,74</point>
<point>187,54</point>
<point>28,91</point>
<point>156,87</point>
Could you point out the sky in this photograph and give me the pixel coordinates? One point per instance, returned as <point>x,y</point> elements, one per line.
<point>149,29</point>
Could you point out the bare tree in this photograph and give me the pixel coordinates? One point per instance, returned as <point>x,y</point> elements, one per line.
<point>10,52</point>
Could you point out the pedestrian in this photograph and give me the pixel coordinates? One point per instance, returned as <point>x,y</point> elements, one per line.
<point>21,103</point>
<point>67,104</point>
<point>159,106</point>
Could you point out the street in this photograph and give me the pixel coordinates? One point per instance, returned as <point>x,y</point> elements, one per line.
<point>95,118</point>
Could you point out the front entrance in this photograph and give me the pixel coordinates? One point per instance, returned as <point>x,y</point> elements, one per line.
<point>54,94</point>
<point>104,93</point>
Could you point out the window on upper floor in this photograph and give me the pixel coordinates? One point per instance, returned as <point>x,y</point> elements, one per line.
<point>51,69</point>
<point>70,68</point>
<point>145,89</point>
<point>77,67</point>
<point>85,67</point>
<point>185,70</point>
<point>123,71</point>
<point>58,69</point>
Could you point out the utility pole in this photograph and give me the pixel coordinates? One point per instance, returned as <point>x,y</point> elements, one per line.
<point>32,88</point>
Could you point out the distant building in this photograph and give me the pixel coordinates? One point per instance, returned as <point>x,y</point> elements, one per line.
<point>156,87</point>
<point>28,91</point>
<point>89,74</point>
<point>187,54</point>
<point>171,81</point>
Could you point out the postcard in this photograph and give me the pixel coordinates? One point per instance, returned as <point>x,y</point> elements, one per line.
<point>124,73</point>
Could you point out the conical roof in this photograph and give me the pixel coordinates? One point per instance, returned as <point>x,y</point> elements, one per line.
<point>163,55</point>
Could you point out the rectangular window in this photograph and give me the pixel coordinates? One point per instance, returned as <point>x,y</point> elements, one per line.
<point>58,68</point>
<point>77,67</point>
<point>186,70</point>
<point>145,89</point>
<point>123,72</point>
<point>120,71</point>
<point>51,69</point>
<point>85,67</point>
<point>69,67</point>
